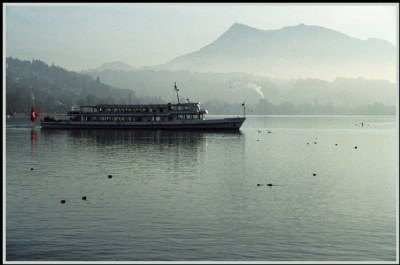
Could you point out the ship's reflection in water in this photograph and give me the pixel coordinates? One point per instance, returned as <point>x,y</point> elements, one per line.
<point>131,137</point>
<point>104,137</point>
<point>33,140</point>
<point>153,151</point>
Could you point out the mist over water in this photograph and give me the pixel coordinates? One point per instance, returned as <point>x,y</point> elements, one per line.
<point>193,196</point>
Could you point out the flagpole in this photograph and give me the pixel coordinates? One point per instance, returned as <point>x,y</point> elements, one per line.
<point>177,95</point>
<point>34,114</point>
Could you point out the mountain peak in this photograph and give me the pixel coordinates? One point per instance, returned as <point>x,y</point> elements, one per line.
<point>302,26</point>
<point>242,29</point>
<point>115,66</point>
<point>291,52</point>
<point>239,30</point>
<point>239,26</point>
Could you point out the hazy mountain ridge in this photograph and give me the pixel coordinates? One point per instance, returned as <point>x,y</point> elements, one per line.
<point>300,51</point>
<point>239,87</point>
<point>231,70</point>
<point>55,89</point>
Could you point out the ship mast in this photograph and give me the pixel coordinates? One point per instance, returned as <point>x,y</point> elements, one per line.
<point>177,94</point>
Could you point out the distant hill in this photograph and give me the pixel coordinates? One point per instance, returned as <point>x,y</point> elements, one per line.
<point>301,51</point>
<point>295,70</point>
<point>115,66</point>
<point>56,90</point>
<point>234,88</point>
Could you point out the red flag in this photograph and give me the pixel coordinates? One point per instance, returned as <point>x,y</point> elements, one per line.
<point>34,115</point>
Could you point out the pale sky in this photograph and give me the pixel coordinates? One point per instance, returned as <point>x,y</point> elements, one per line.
<point>82,36</point>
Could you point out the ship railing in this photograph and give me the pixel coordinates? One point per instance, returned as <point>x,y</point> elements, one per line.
<point>112,114</point>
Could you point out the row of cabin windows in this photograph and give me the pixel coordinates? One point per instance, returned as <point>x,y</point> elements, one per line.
<point>147,119</point>
<point>131,110</point>
<point>146,110</point>
<point>189,117</point>
<point>197,107</point>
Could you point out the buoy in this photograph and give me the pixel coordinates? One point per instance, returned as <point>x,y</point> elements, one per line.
<point>62,201</point>
<point>314,174</point>
<point>269,184</point>
<point>31,168</point>
<point>109,176</point>
<point>335,144</point>
<point>355,147</point>
<point>258,185</point>
<point>84,198</point>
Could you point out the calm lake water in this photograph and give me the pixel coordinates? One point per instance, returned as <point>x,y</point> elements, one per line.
<point>193,196</point>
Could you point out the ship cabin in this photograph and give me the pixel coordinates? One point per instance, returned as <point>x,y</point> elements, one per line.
<point>139,113</point>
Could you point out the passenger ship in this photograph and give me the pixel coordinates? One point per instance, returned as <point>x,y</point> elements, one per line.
<point>151,116</point>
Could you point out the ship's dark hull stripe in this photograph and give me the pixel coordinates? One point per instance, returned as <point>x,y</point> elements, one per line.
<point>230,124</point>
